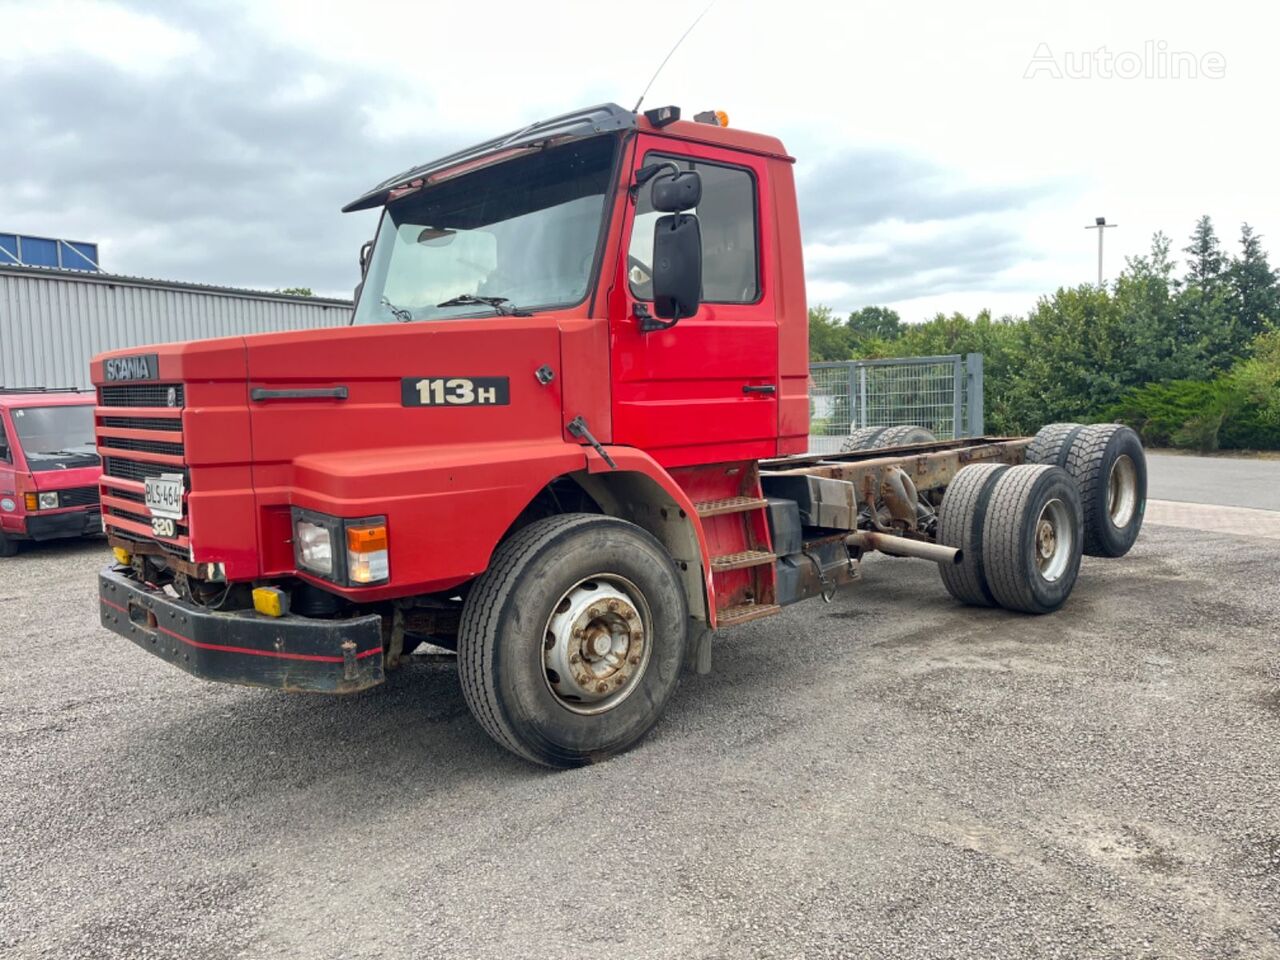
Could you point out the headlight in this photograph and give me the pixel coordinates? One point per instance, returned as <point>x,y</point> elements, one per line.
<point>49,501</point>
<point>348,552</point>
<point>314,544</point>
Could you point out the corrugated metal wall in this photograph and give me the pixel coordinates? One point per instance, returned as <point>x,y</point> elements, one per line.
<point>52,324</point>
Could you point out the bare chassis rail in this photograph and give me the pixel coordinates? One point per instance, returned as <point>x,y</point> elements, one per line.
<point>931,467</point>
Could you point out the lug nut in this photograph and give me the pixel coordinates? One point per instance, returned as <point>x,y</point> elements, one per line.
<point>634,661</point>
<point>575,658</point>
<point>601,687</point>
<point>613,605</point>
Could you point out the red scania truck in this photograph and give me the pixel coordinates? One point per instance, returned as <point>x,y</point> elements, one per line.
<point>564,436</point>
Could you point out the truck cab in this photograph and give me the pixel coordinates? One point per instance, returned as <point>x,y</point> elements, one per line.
<point>561,435</point>
<point>49,467</point>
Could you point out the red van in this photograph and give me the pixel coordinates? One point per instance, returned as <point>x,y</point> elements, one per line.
<point>49,466</point>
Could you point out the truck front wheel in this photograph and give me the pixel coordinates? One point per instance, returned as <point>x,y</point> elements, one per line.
<point>571,643</point>
<point>8,546</point>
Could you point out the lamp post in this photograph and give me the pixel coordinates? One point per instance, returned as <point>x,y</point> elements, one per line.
<point>1100,224</point>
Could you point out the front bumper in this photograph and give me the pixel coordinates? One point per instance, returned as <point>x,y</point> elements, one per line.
<point>286,653</point>
<point>55,526</point>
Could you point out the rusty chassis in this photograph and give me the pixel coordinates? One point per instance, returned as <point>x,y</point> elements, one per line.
<point>877,494</point>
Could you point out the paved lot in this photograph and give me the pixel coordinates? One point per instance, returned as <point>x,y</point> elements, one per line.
<point>887,776</point>
<point>1232,481</point>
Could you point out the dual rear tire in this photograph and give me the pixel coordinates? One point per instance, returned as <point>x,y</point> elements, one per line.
<point>1108,464</point>
<point>875,438</point>
<point>1019,534</point>
<point>1022,530</point>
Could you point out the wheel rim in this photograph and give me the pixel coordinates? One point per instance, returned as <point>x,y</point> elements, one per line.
<point>596,644</point>
<point>1055,539</point>
<point>1122,491</point>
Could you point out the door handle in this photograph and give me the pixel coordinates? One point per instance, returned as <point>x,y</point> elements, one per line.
<point>763,388</point>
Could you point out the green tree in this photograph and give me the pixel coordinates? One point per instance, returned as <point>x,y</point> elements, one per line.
<point>297,292</point>
<point>1254,284</point>
<point>829,339</point>
<point>1205,260</point>
<point>879,323</point>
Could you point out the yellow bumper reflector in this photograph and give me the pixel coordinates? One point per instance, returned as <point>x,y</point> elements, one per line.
<point>270,601</point>
<point>123,556</point>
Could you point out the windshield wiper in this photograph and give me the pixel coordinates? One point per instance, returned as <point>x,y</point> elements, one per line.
<point>500,304</point>
<point>400,313</point>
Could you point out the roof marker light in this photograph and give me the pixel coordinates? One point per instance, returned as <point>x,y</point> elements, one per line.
<point>716,118</point>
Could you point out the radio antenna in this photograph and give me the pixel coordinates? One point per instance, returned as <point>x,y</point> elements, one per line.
<point>644,92</point>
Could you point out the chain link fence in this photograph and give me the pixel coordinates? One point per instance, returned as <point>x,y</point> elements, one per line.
<point>942,394</point>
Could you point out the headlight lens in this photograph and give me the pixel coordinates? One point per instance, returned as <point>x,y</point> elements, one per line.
<point>315,547</point>
<point>49,501</point>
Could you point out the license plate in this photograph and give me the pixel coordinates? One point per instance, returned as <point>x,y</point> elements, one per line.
<point>164,495</point>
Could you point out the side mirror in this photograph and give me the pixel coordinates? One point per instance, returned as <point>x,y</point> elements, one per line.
<point>676,192</point>
<point>365,249</point>
<point>677,266</point>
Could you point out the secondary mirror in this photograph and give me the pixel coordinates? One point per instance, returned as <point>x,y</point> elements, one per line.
<point>677,266</point>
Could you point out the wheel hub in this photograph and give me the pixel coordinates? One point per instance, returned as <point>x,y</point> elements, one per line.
<point>1122,491</point>
<point>596,645</point>
<point>1055,538</point>
<point>1046,539</point>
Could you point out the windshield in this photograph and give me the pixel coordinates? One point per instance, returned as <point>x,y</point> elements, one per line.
<point>56,437</point>
<point>524,231</point>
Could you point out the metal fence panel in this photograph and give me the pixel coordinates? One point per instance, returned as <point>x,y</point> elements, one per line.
<point>942,394</point>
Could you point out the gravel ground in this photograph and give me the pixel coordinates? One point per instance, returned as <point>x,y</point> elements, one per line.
<point>887,776</point>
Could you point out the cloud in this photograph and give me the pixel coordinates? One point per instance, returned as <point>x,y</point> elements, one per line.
<point>882,226</point>
<point>227,170</point>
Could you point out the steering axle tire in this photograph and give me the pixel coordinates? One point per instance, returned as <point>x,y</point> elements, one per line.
<point>572,642</point>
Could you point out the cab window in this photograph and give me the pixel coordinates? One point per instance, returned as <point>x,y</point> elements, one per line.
<point>727,221</point>
<point>6,455</point>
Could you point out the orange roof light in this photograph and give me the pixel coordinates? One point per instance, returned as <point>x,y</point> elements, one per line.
<point>715,117</point>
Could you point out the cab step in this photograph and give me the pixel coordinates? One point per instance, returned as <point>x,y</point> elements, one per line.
<point>741,560</point>
<point>715,508</point>
<point>745,612</point>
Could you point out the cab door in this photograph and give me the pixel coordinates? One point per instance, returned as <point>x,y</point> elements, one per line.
<point>705,390</point>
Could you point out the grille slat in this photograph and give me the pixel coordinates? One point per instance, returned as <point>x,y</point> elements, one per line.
<point>142,423</point>
<point>141,395</point>
<point>137,471</point>
<point>142,446</point>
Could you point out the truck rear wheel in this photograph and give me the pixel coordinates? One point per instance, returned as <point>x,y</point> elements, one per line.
<point>873,438</point>
<point>861,439</point>
<point>961,520</point>
<point>1032,537</point>
<point>571,643</point>
<point>1053,443</point>
<point>1110,468</point>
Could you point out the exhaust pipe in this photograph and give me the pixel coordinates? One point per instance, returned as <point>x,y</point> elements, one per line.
<point>902,547</point>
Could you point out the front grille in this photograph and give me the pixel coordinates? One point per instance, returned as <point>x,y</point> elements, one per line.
<point>144,518</point>
<point>142,446</point>
<point>141,423</point>
<point>78,497</point>
<point>142,395</point>
<point>138,470</point>
<point>133,458</point>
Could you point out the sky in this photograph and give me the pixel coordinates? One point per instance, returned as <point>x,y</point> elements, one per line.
<point>948,156</point>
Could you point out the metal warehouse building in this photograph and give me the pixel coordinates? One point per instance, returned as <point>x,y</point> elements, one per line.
<point>52,322</point>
